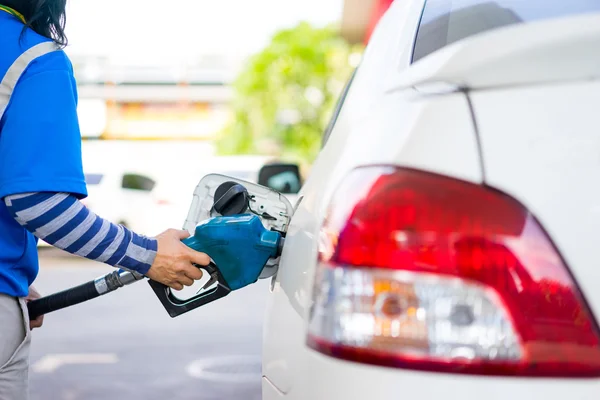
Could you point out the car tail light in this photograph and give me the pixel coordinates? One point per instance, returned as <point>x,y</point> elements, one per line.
<point>425,272</point>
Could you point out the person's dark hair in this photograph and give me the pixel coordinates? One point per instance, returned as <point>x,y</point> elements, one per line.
<point>46,17</point>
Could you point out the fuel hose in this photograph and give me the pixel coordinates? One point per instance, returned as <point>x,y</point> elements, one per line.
<point>82,293</point>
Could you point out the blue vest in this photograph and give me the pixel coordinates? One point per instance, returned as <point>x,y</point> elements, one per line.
<point>40,142</point>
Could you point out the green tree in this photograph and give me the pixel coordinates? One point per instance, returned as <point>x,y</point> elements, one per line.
<point>285,95</point>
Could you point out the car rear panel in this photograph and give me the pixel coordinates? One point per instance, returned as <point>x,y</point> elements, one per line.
<point>542,148</point>
<point>541,145</point>
<point>434,134</point>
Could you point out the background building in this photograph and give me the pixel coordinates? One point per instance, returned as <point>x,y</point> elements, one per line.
<point>137,102</point>
<point>126,93</point>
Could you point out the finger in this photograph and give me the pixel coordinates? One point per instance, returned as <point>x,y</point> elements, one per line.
<point>176,286</point>
<point>193,273</point>
<point>198,258</point>
<point>181,234</point>
<point>36,323</point>
<point>184,280</point>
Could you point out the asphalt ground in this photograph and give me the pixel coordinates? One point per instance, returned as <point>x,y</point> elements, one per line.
<point>125,346</point>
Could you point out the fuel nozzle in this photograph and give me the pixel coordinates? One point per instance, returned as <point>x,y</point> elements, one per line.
<point>240,248</point>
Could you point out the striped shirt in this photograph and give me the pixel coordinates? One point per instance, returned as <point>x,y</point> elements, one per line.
<point>62,221</point>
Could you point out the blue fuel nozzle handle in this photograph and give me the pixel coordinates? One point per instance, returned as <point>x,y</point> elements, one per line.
<point>239,246</point>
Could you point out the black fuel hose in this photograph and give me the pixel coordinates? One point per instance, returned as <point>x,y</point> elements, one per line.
<point>60,300</point>
<point>82,293</point>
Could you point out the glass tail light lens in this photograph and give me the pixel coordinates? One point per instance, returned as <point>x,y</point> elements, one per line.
<point>426,272</point>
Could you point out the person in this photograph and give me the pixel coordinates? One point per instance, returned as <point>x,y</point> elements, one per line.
<point>42,183</point>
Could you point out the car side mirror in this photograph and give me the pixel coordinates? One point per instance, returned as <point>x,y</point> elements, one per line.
<point>283,178</point>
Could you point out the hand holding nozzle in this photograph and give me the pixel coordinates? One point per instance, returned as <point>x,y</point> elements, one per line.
<point>176,265</point>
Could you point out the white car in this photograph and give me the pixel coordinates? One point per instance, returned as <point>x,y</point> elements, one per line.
<point>445,243</point>
<point>120,195</point>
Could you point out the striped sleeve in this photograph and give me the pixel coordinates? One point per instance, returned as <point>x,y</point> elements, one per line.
<point>62,221</point>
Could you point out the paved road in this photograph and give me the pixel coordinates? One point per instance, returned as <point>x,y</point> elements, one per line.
<point>125,346</point>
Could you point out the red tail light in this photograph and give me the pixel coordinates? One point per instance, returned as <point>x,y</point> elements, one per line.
<point>426,272</point>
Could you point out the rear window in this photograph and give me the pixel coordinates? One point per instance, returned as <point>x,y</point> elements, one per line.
<point>447,21</point>
<point>93,179</point>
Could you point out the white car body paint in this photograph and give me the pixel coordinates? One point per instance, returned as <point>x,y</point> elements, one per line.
<point>510,135</point>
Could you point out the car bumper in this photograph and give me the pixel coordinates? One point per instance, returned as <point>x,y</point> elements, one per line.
<point>324,378</point>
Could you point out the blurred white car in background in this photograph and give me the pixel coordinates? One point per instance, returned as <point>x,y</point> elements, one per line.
<point>446,241</point>
<point>121,196</point>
